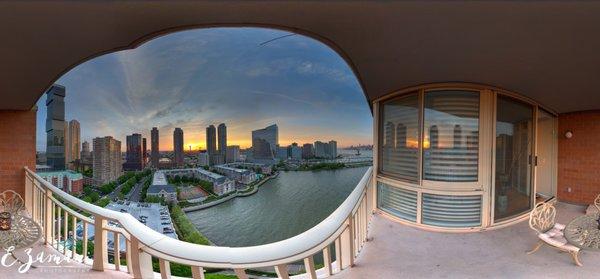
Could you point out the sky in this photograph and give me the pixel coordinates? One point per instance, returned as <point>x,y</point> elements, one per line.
<point>195,78</point>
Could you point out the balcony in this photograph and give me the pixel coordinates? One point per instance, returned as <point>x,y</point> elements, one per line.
<point>338,239</point>
<point>536,57</point>
<point>370,244</point>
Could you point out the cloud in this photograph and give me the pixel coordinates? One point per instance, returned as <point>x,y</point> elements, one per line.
<point>196,78</point>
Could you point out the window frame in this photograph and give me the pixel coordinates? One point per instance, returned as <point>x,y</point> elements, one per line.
<point>381,136</point>
<point>449,185</point>
<point>484,103</point>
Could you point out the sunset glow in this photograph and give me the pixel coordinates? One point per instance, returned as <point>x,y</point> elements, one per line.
<point>196,78</point>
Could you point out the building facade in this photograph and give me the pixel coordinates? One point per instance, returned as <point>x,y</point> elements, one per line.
<point>326,150</point>
<point>282,153</point>
<point>203,159</point>
<point>68,180</point>
<point>233,153</point>
<point>308,151</point>
<point>154,149</point>
<point>86,154</point>
<point>243,176</point>
<point>295,151</point>
<point>178,147</point>
<point>107,164</point>
<point>55,127</point>
<point>332,149</point>
<point>265,142</point>
<point>72,143</point>
<point>221,184</point>
<point>222,135</point>
<point>134,160</point>
<point>211,145</point>
<point>144,153</point>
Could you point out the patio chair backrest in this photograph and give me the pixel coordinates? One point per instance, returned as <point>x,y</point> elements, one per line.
<point>541,218</point>
<point>597,202</point>
<point>12,202</point>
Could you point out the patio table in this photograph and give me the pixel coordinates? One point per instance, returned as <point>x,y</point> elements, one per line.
<point>583,232</point>
<point>24,232</point>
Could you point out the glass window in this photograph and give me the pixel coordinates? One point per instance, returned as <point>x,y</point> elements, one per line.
<point>399,145</point>
<point>514,132</point>
<point>451,142</point>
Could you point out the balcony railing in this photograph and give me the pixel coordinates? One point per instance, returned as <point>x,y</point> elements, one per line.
<point>345,229</point>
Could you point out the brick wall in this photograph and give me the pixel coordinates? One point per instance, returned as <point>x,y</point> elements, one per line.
<point>579,157</point>
<point>17,148</point>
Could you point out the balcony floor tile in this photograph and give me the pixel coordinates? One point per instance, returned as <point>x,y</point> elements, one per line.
<point>400,251</point>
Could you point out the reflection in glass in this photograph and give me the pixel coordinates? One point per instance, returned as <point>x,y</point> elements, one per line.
<point>513,150</point>
<point>451,147</point>
<point>400,141</point>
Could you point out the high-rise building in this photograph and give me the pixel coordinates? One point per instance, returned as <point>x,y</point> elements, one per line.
<point>282,153</point>
<point>178,147</point>
<point>211,145</point>
<point>222,134</point>
<point>72,142</point>
<point>86,154</point>
<point>144,153</point>
<point>320,148</point>
<point>332,149</point>
<point>203,159</point>
<point>233,153</point>
<point>308,151</point>
<point>295,151</point>
<point>55,127</point>
<point>154,152</point>
<point>107,164</point>
<point>134,156</point>
<point>265,142</point>
<point>326,150</point>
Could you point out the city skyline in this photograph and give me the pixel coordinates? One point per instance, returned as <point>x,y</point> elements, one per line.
<point>196,78</point>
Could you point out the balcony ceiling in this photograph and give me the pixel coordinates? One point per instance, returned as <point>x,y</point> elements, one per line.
<point>548,51</point>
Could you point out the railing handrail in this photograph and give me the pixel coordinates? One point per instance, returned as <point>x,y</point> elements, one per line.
<point>288,250</point>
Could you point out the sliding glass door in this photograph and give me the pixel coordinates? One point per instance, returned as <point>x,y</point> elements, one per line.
<point>513,176</point>
<point>546,146</point>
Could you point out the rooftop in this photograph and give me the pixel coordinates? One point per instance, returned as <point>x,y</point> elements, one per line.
<point>159,178</point>
<point>225,167</point>
<point>154,189</point>
<point>72,175</point>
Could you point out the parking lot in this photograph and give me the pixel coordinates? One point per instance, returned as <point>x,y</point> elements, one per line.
<point>153,215</point>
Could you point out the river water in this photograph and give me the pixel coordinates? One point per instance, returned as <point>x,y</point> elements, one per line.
<point>283,207</point>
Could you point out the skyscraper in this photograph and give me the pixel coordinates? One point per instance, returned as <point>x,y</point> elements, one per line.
<point>144,153</point>
<point>154,152</point>
<point>178,147</point>
<point>233,153</point>
<point>265,142</point>
<point>86,155</point>
<point>307,151</point>
<point>107,160</point>
<point>211,144</point>
<point>72,142</point>
<point>222,133</point>
<point>134,156</point>
<point>332,149</point>
<point>320,149</point>
<point>295,151</point>
<point>55,127</point>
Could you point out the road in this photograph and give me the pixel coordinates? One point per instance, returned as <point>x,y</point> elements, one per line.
<point>136,192</point>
